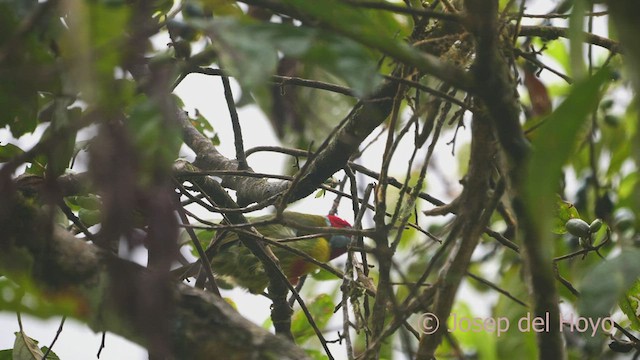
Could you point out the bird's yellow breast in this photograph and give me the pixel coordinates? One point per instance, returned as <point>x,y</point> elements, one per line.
<point>318,249</point>
<point>321,250</point>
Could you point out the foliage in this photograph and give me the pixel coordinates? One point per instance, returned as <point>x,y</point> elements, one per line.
<point>441,203</point>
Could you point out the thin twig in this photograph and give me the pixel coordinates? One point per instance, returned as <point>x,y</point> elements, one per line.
<point>285,80</point>
<point>429,90</point>
<point>55,338</point>
<point>502,240</point>
<point>496,288</point>
<point>559,16</point>
<point>204,259</point>
<point>552,32</point>
<point>405,10</point>
<point>235,122</point>
<point>299,285</point>
<point>355,166</point>
<point>75,220</point>
<point>534,60</point>
<point>102,344</point>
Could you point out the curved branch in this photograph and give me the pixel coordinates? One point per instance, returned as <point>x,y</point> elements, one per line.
<point>249,189</point>
<point>200,325</point>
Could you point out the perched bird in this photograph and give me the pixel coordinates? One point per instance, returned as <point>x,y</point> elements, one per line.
<point>230,258</point>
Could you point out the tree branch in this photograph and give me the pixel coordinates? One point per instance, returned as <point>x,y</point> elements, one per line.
<point>201,323</point>
<point>345,141</point>
<point>496,88</point>
<point>471,223</point>
<point>552,33</point>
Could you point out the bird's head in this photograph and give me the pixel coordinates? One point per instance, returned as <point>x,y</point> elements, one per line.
<point>338,242</point>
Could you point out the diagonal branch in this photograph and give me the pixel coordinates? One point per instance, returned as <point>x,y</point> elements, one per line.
<point>345,141</point>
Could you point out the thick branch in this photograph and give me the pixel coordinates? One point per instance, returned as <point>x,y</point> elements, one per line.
<point>335,153</point>
<point>200,326</point>
<point>497,90</point>
<point>494,84</point>
<point>471,222</point>
<point>278,283</point>
<point>209,158</point>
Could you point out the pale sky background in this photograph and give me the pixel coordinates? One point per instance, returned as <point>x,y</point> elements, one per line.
<point>205,93</point>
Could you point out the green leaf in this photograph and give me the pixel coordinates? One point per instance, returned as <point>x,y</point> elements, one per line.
<point>320,193</point>
<point>18,107</point>
<point>558,51</point>
<point>368,25</point>
<point>576,38</point>
<point>89,202</point>
<point>157,141</point>
<point>62,150</point>
<point>203,235</point>
<point>321,309</point>
<point>26,297</point>
<point>89,217</point>
<point>26,70</point>
<point>630,305</point>
<point>315,354</point>
<point>92,49</point>
<point>502,5</point>
<point>222,7</point>
<point>22,8</point>
<point>555,143</point>
<point>323,275</point>
<point>37,165</point>
<point>203,125</point>
<point>26,348</point>
<point>563,212</point>
<point>603,285</point>
<point>8,152</point>
<point>51,355</point>
<point>239,43</point>
<point>627,186</point>
<point>376,30</point>
<point>6,354</point>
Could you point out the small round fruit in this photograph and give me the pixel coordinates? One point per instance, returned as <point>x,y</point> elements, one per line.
<point>577,227</point>
<point>595,225</point>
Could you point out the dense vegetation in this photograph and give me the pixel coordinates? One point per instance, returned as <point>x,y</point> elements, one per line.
<point>545,212</point>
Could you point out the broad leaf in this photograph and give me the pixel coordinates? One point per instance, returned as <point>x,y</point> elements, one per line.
<point>26,348</point>
<point>321,309</point>
<point>606,282</point>
<point>8,152</point>
<point>563,212</point>
<point>555,143</point>
<point>240,43</point>
<point>630,305</point>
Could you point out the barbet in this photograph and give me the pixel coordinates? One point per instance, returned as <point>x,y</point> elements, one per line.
<point>230,258</point>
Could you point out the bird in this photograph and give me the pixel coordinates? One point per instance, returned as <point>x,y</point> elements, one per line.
<point>230,259</point>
